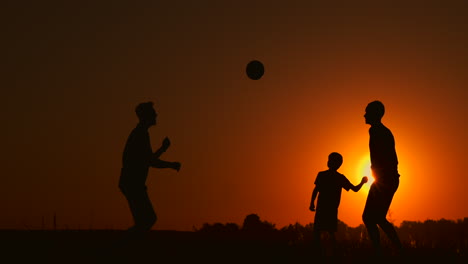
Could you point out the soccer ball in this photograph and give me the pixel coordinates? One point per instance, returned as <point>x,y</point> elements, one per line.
<point>255,70</point>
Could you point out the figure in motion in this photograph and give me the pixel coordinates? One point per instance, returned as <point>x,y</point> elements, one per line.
<point>384,165</point>
<point>137,158</point>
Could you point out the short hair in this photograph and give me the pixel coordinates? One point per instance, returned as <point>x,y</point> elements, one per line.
<point>377,108</point>
<point>335,156</point>
<point>143,109</point>
<point>335,160</point>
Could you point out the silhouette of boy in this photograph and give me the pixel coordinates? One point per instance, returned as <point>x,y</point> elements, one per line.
<point>384,163</point>
<point>137,158</point>
<point>328,185</point>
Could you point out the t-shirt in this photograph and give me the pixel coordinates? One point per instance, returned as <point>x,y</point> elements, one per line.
<point>136,158</point>
<point>329,184</point>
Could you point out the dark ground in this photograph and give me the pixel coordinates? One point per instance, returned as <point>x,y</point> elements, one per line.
<point>104,246</point>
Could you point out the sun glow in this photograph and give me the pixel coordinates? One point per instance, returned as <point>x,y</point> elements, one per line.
<point>364,169</point>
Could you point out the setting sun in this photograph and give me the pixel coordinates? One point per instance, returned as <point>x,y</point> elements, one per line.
<point>364,169</point>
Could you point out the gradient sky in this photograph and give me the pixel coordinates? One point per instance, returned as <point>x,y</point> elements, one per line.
<point>73,74</point>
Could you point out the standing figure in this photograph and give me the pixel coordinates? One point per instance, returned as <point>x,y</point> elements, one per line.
<point>384,165</point>
<point>138,157</point>
<point>328,185</point>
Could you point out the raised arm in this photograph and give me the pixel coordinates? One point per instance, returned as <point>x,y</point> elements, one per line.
<point>158,163</point>
<point>164,146</point>
<point>356,188</point>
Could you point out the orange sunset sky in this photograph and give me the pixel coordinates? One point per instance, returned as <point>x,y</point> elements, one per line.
<point>73,73</point>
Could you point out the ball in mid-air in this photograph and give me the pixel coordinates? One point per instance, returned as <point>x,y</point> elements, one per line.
<point>255,70</point>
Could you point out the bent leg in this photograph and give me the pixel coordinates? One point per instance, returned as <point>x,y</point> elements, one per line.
<point>372,232</point>
<point>371,216</point>
<point>142,210</point>
<point>387,227</point>
<point>391,233</point>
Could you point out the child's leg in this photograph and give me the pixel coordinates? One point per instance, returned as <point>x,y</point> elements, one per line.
<point>316,241</point>
<point>333,243</point>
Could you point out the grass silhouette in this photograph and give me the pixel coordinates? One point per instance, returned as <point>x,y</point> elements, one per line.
<point>442,240</point>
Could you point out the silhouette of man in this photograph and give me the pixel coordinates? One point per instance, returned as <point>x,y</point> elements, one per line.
<point>384,165</point>
<point>138,157</point>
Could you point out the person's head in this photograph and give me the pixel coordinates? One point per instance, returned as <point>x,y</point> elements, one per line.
<point>334,161</point>
<point>146,113</point>
<point>374,112</point>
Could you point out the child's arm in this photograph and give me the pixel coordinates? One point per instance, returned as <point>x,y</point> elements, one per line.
<point>356,188</point>
<point>312,201</point>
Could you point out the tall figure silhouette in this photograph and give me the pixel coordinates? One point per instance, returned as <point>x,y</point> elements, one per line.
<point>137,158</point>
<point>384,165</point>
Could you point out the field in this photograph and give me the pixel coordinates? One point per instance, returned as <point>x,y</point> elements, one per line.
<point>105,246</point>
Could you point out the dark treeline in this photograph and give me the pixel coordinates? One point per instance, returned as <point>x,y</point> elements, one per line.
<point>443,234</point>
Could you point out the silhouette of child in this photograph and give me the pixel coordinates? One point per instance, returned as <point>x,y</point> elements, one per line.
<point>328,185</point>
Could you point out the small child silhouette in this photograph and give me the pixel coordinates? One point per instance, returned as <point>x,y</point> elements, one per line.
<point>328,185</point>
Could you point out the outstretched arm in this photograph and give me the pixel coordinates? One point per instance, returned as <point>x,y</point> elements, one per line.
<point>312,200</point>
<point>356,188</point>
<point>161,164</point>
